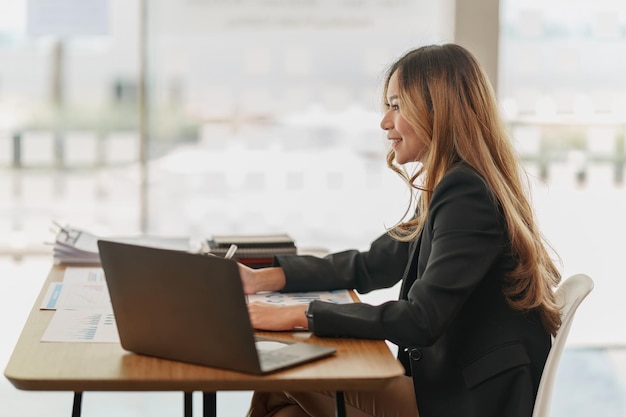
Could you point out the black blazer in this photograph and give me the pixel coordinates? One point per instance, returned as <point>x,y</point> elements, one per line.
<point>472,354</point>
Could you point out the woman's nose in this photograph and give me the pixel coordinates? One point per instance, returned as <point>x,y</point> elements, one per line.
<point>386,123</point>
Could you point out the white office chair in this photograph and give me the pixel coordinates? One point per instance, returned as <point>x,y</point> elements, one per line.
<point>569,294</point>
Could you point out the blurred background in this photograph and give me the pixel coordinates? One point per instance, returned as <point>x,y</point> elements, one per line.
<point>200,117</point>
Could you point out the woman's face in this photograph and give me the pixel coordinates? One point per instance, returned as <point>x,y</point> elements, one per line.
<point>407,145</point>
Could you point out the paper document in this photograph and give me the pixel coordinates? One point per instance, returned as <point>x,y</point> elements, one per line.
<point>76,296</point>
<point>82,326</point>
<point>291,298</point>
<point>82,288</point>
<point>83,308</point>
<point>83,275</point>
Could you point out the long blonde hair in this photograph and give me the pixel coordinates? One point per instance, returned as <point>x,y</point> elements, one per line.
<point>447,99</point>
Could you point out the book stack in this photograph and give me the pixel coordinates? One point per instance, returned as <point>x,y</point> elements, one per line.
<point>256,251</point>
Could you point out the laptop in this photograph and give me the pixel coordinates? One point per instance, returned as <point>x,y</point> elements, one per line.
<point>192,308</point>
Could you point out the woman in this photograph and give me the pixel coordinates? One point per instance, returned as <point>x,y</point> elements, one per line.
<point>476,306</point>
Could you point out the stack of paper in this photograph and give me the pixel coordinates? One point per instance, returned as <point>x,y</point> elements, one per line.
<point>79,247</point>
<point>73,246</point>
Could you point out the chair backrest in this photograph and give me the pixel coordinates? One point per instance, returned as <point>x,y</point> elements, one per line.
<point>569,295</point>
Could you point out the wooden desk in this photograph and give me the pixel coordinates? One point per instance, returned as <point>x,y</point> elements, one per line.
<point>79,367</point>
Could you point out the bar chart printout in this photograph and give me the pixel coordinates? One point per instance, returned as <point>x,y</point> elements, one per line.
<point>82,326</point>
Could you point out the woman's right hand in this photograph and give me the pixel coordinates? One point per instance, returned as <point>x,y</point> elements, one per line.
<point>264,279</point>
<point>265,316</point>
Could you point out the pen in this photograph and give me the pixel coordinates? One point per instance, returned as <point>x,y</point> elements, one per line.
<point>231,251</point>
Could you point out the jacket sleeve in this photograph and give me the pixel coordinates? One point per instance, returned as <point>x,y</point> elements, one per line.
<point>465,236</point>
<point>381,266</point>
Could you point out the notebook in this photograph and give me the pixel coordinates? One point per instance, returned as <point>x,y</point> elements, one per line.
<point>191,308</point>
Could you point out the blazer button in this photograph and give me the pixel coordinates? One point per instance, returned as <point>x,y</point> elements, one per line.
<point>415,354</point>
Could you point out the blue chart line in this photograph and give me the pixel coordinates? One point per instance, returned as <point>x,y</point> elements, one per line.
<point>87,327</point>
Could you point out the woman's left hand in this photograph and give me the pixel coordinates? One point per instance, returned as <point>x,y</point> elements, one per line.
<point>265,316</point>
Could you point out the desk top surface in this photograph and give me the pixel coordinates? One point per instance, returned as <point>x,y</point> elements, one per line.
<point>35,365</point>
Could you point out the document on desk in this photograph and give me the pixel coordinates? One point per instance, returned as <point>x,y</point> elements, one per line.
<point>83,308</point>
<point>81,288</point>
<point>292,298</point>
<point>83,275</point>
<point>82,326</point>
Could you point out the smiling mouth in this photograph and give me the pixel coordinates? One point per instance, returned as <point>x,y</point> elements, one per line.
<point>395,140</point>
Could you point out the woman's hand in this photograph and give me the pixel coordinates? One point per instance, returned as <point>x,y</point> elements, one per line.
<point>265,316</point>
<point>264,279</point>
<point>248,278</point>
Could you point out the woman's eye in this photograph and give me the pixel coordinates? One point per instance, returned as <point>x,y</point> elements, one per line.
<point>395,107</point>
